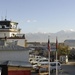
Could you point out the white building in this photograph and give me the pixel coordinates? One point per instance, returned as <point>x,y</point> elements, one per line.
<point>14,53</point>
<point>10,32</point>
<point>12,42</point>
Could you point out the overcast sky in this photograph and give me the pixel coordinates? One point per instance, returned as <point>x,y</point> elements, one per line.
<point>40,15</point>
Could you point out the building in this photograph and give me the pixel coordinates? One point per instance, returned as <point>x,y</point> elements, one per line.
<point>14,56</point>
<point>10,32</point>
<point>15,68</point>
<point>70,43</point>
<point>14,59</point>
<point>14,53</point>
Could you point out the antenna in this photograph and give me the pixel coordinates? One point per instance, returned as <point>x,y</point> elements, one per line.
<point>6,15</point>
<point>1,17</point>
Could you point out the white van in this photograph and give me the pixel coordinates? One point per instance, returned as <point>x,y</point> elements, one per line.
<point>52,66</point>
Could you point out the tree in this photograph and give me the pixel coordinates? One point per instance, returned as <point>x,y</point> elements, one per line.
<point>63,49</point>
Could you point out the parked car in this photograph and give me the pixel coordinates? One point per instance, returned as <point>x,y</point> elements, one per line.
<point>35,66</point>
<point>34,61</point>
<point>45,66</point>
<point>42,61</point>
<point>31,57</point>
<point>53,65</point>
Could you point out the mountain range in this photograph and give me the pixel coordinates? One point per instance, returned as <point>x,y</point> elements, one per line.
<point>43,37</point>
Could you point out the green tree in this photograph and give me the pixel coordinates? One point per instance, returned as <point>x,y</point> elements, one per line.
<point>63,49</point>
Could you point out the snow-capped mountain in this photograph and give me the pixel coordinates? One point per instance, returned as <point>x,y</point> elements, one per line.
<point>43,37</point>
<point>66,31</point>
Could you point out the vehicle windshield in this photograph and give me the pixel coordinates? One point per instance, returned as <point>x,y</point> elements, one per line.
<point>54,64</point>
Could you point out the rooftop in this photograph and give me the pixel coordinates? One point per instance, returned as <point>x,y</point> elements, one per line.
<point>7,22</point>
<point>16,63</point>
<point>13,48</point>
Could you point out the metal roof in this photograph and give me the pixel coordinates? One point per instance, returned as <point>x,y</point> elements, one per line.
<point>13,47</point>
<point>16,63</point>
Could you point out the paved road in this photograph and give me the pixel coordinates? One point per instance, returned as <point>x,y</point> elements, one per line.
<point>66,70</point>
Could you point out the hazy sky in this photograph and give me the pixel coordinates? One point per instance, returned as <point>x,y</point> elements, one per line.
<point>40,15</point>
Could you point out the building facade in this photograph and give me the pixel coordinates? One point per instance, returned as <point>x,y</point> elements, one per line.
<point>10,32</point>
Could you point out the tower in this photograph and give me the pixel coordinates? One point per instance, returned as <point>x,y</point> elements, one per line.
<point>10,32</point>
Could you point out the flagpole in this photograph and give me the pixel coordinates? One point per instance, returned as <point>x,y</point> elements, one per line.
<point>49,62</point>
<point>56,65</point>
<point>56,57</point>
<point>49,47</point>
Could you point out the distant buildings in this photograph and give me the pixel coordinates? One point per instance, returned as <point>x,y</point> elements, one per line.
<point>43,46</point>
<point>70,43</point>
